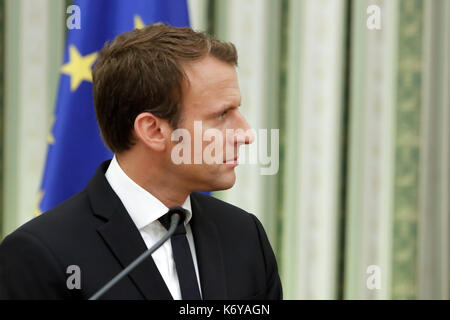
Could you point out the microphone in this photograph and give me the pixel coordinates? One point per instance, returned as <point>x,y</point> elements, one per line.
<point>177,216</point>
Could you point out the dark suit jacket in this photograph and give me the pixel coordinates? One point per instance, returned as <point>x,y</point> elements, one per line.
<point>94,231</point>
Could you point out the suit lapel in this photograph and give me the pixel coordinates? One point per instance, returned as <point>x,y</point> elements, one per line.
<point>123,238</point>
<point>208,251</point>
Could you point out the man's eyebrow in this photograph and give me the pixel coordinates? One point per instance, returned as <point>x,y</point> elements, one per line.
<point>225,106</point>
<point>230,105</point>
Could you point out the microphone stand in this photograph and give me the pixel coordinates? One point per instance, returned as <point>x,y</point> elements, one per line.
<point>174,219</point>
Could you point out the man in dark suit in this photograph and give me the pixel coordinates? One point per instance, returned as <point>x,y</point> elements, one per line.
<point>156,92</point>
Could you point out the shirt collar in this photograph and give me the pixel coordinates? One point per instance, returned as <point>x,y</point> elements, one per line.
<point>142,206</point>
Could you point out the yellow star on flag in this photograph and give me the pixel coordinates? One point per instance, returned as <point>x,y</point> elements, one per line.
<point>138,23</point>
<point>78,67</point>
<point>50,137</point>
<point>37,210</point>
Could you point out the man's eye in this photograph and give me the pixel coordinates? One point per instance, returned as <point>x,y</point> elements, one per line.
<point>222,115</point>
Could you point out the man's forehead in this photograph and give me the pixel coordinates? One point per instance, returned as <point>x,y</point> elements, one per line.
<point>210,70</point>
<point>211,78</point>
<point>217,90</point>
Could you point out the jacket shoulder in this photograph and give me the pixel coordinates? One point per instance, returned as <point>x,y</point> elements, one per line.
<point>220,210</point>
<point>60,221</point>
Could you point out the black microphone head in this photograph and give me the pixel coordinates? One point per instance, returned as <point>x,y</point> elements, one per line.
<point>180,211</point>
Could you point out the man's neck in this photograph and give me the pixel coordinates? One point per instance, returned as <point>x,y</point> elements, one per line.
<point>153,181</point>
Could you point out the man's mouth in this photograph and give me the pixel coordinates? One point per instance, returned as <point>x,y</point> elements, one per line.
<point>233,161</point>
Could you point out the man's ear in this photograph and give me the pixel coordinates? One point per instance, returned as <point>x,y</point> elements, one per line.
<point>152,131</point>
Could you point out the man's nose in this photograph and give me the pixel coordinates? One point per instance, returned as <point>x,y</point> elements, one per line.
<point>244,133</point>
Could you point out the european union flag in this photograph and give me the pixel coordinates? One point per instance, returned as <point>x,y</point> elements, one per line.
<point>75,146</point>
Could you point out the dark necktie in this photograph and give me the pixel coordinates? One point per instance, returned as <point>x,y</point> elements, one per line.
<point>183,261</point>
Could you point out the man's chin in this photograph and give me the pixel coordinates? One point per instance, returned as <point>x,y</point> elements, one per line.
<point>224,183</point>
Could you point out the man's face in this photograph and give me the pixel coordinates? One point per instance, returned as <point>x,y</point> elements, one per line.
<point>211,103</point>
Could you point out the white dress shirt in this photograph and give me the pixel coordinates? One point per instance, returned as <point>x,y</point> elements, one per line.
<point>145,210</point>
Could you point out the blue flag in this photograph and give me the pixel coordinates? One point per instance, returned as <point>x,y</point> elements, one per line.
<point>75,146</point>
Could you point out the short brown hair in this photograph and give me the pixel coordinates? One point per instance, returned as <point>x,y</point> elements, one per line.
<point>141,71</point>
